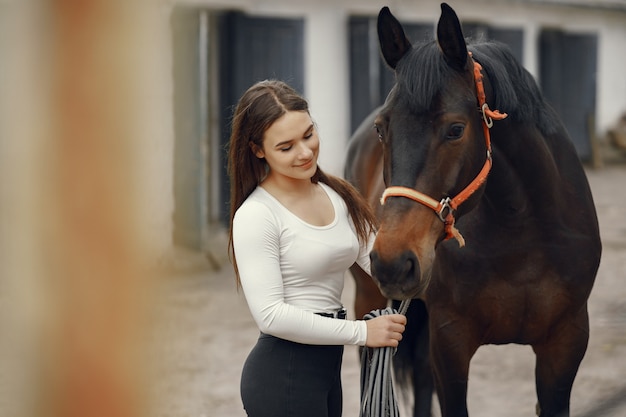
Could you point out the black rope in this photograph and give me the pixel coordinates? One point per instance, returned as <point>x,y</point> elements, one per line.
<point>377,396</point>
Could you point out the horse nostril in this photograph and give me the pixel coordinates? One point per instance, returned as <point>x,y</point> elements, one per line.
<point>412,266</point>
<point>409,266</point>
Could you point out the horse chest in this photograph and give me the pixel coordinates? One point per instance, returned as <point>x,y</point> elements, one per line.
<point>519,314</point>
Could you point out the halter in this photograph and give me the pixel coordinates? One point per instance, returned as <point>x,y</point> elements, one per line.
<point>446,208</point>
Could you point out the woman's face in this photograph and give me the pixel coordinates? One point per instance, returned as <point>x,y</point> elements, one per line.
<point>291,146</point>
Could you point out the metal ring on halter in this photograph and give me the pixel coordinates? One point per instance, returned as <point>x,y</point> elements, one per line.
<point>445,209</point>
<point>488,120</point>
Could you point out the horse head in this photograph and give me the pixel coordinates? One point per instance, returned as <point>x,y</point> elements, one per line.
<point>436,151</point>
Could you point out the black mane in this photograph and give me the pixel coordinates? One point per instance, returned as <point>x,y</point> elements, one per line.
<point>423,73</point>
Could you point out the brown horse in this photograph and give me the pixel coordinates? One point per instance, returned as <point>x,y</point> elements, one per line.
<point>486,221</point>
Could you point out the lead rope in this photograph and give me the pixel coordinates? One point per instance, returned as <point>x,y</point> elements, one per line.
<point>377,396</point>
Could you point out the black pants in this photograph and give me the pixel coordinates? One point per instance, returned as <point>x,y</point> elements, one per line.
<point>287,379</point>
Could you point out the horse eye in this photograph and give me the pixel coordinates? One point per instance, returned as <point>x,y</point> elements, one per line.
<point>380,135</point>
<point>456,131</point>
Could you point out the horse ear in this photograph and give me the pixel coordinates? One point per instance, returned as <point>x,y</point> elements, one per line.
<point>450,38</point>
<point>393,43</point>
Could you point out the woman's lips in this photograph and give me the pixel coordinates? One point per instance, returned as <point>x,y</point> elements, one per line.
<point>306,165</point>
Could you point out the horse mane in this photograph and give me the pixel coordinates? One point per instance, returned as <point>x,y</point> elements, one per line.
<point>423,74</point>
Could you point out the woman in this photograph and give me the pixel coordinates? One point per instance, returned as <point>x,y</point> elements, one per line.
<point>294,231</point>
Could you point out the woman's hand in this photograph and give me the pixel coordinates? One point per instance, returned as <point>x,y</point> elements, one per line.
<point>385,330</point>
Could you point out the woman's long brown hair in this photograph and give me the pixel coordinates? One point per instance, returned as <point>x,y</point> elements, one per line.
<point>259,107</point>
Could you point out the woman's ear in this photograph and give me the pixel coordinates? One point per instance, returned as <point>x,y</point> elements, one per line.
<point>256,150</point>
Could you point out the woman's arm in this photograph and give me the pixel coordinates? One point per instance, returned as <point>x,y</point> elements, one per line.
<point>256,238</point>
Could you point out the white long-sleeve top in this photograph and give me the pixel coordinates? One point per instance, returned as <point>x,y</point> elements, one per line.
<point>290,269</point>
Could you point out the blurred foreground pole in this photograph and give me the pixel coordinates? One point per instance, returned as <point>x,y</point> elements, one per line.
<point>92,337</point>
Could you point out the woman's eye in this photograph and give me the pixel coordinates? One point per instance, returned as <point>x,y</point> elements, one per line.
<point>455,131</point>
<point>308,136</point>
<point>285,149</point>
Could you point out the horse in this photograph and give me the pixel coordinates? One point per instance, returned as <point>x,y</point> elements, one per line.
<point>487,221</point>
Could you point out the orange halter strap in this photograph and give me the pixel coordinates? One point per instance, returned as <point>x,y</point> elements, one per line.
<point>446,208</point>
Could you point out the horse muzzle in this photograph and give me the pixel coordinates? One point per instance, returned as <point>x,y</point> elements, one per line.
<point>399,278</point>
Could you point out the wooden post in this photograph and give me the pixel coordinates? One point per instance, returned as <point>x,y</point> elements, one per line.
<point>91,250</point>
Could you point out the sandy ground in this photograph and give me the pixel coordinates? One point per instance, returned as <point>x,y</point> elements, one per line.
<point>204,332</point>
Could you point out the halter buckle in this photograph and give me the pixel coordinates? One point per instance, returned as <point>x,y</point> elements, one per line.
<point>488,120</point>
<point>445,209</point>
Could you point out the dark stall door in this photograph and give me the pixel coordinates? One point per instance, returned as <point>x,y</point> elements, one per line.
<point>568,80</point>
<point>254,49</point>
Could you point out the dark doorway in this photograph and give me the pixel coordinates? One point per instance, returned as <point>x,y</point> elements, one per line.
<point>216,57</point>
<point>253,49</point>
<point>568,80</point>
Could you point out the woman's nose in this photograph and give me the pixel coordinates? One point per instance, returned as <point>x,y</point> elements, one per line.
<point>304,151</point>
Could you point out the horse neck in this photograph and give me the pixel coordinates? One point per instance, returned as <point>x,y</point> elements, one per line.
<point>525,172</point>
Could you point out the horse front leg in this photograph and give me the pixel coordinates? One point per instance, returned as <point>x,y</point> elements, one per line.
<point>452,346</point>
<point>558,359</point>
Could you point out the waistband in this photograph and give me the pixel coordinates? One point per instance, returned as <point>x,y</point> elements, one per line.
<point>342,313</point>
